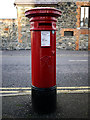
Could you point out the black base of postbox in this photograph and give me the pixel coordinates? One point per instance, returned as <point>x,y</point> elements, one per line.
<point>44,99</point>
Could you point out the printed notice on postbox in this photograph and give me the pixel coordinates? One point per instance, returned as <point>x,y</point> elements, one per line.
<point>45,38</point>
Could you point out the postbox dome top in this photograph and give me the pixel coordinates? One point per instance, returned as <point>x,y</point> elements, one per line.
<point>42,11</point>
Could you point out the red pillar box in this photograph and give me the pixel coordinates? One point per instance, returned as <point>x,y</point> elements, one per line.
<point>43,47</point>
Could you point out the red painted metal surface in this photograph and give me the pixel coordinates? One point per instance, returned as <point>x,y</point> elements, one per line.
<point>43,58</point>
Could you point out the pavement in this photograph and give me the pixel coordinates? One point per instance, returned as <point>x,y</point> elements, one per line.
<point>68,106</point>
<point>73,89</point>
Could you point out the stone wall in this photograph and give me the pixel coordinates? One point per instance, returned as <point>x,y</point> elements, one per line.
<point>8,34</point>
<point>25,33</point>
<point>67,43</point>
<point>15,33</point>
<point>70,21</point>
<point>24,25</point>
<point>67,20</point>
<point>83,42</point>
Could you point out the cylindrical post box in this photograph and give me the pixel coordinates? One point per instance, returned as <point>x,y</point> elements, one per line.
<point>43,47</point>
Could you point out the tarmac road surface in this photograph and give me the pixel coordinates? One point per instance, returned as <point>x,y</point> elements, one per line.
<point>71,68</point>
